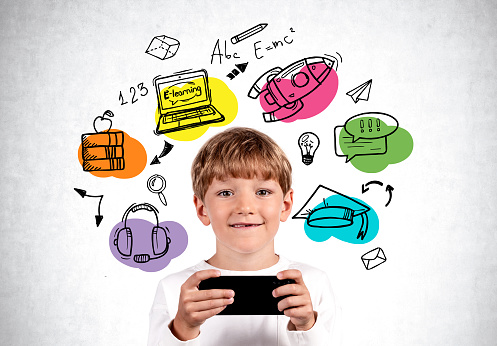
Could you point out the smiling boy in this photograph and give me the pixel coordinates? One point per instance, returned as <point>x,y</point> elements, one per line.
<point>242,188</point>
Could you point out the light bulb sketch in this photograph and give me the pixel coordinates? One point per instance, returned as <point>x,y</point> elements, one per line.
<point>308,143</point>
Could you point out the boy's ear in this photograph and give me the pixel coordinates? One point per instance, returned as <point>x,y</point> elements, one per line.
<point>287,206</point>
<point>201,211</point>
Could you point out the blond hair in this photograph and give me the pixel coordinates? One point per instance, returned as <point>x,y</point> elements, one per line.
<point>240,152</point>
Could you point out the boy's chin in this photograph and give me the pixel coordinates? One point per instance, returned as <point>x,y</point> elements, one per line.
<point>248,247</point>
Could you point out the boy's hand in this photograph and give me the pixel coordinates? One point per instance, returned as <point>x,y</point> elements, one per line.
<point>298,306</point>
<point>196,306</point>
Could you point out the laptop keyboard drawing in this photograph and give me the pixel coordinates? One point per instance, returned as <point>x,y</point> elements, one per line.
<point>184,102</point>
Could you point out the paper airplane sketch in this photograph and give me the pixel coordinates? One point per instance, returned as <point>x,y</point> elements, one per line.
<point>373,258</point>
<point>361,92</point>
<point>163,47</point>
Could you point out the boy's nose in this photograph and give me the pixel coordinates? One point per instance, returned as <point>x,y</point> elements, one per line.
<point>244,205</point>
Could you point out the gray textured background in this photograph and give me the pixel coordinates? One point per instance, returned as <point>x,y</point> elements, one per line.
<point>433,66</point>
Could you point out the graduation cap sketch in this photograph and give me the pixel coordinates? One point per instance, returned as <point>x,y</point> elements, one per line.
<point>327,208</point>
<point>361,92</point>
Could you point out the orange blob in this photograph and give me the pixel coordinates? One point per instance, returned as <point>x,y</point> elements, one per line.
<point>135,159</point>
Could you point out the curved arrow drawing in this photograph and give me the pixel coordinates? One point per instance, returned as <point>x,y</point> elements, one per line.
<point>365,188</point>
<point>98,217</point>
<point>389,189</point>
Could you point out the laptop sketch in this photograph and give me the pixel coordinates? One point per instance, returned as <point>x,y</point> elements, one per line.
<point>184,102</point>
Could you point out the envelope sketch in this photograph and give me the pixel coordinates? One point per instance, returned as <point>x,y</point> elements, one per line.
<point>373,258</point>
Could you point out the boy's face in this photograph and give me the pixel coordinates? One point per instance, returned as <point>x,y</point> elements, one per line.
<point>244,213</point>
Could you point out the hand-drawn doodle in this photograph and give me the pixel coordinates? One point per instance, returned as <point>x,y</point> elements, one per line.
<point>217,52</point>
<point>236,71</point>
<point>163,47</point>
<point>104,154</point>
<point>103,124</point>
<point>365,187</point>
<point>132,90</point>
<point>308,144</point>
<point>273,45</point>
<point>372,134</point>
<point>103,151</point>
<point>329,213</point>
<point>155,161</point>
<point>373,258</point>
<point>388,189</point>
<point>148,246</point>
<point>156,184</point>
<point>361,92</point>
<point>282,92</point>
<point>83,194</point>
<point>166,150</point>
<point>247,33</point>
<point>185,104</point>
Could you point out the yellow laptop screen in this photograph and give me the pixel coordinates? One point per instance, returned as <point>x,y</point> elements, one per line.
<point>182,91</point>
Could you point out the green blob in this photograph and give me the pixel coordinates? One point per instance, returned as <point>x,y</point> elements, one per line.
<point>399,146</point>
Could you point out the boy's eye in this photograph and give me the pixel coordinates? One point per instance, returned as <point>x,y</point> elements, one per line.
<point>225,193</point>
<point>263,192</point>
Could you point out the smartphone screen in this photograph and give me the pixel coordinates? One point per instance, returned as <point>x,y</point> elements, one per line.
<point>253,294</point>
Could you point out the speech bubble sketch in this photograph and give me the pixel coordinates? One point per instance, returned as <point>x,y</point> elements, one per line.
<point>149,246</point>
<point>371,125</point>
<point>345,146</point>
<point>301,90</point>
<point>371,141</point>
<point>186,104</point>
<point>329,213</point>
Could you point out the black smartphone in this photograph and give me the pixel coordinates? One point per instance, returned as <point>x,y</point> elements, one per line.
<point>253,294</point>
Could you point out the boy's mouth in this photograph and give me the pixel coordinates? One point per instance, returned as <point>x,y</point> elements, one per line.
<point>245,225</point>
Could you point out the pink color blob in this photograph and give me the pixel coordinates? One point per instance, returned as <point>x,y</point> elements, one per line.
<point>314,103</point>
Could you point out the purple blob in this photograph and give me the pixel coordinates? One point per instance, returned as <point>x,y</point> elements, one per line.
<point>142,245</point>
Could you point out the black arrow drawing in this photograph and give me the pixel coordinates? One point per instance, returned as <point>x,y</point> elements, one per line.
<point>98,217</point>
<point>366,188</point>
<point>389,189</point>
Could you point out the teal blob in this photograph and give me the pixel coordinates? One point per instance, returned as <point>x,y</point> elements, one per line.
<point>348,234</point>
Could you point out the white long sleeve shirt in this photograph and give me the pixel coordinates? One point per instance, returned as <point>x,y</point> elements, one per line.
<point>243,330</point>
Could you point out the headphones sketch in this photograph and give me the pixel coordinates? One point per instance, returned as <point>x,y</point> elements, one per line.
<point>123,238</point>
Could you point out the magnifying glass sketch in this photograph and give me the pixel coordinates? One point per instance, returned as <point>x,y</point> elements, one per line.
<point>156,184</point>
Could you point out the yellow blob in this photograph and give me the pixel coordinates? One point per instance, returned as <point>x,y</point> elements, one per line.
<point>222,98</point>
